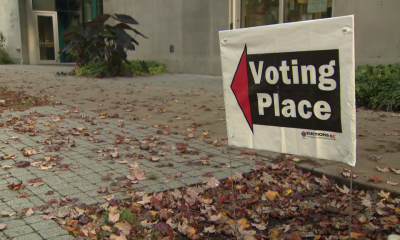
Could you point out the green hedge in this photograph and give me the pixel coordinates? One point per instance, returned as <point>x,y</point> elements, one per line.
<point>98,68</point>
<point>378,87</point>
<point>4,57</point>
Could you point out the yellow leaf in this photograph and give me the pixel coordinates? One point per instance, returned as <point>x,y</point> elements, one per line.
<point>94,217</point>
<point>296,159</point>
<point>272,194</point>
<point>154,213</point>
<point>288,191</point>
<point>274,234</point>
<point>224,213</point>
<point>354,235</point>
<point>397,211</point>
<point>103,117</point>
<point>191,231</point>
<point>243,222</point>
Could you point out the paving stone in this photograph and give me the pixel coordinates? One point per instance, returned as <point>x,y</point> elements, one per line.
<point>18,231</point>
<point>2,235</point>
<point>65,237</point>
<point>36,201</point>
<point>15,223</point>
<point>21,206</point>
<point>191,181</point>
<point>31,236</point>
<point>87,187</point>
<point>17,201</point>
<point>40,190</point>
<point>174,184</point>
<point>44,225</point>
<point>68,191</point>
<point>54,232</point>
<point>34,219</point>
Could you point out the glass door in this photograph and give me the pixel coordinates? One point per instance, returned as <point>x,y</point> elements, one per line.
<point>46,37</point>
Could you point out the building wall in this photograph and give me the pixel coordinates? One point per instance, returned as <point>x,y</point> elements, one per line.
<point>377,32</point>
<point>10,26</point>
<point>191,26</point>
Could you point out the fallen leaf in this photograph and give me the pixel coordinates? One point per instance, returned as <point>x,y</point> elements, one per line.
<point>212,182</point>
<point>210,229</point>
<point>29,212</point>
<point>271,195</point>
<point>384,194</point>
<point>112,216</point>
<point>139,175</point>
<point>174,175</point>
<point>3,226</point>
<point>354,235</point>
<point>103,190</point>
<point>114,236</point>
<point>24,195</point>
<point>124,227</point>
<point>393,183</point>
<point>375,179</point>
<point>397,171</point>
<point>267,179</point>
<point>384,169</point>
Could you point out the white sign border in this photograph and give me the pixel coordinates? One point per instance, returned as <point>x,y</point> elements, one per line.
<point>323,34</point>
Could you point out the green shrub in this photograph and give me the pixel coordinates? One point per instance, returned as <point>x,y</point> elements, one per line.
<point>96,39</point>
<point>4,57</point>
<point>98,68</point>
<point>154,67</point>
<point>378,87</point>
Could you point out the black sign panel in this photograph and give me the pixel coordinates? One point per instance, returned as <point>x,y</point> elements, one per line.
<point>291,89</point>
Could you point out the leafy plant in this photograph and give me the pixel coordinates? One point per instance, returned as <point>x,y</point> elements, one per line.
<point>378,87</point>
<point>97,40</point>
<point>99,68</point>
<point>4,57</point>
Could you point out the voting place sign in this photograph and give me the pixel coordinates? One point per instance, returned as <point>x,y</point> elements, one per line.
<point>290,88</point>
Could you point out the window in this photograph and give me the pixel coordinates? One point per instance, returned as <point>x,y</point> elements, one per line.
<point>259,12</point>
<point>265,12</point>
<point>300,10</point>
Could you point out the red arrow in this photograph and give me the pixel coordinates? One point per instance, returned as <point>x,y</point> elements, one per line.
<point>240,87</point>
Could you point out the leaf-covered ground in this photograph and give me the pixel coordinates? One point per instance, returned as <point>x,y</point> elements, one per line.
<point>273,202</point>
<point>19,100</point>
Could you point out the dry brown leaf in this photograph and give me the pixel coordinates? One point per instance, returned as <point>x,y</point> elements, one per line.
<point>393,183</point>
<point>375,179</point>
<point>112,216</point>
<point>397,171</point>
<point>383,169</point>
<point>121,236</point>
<point>3,226</point>
<point>124,227</point>
<point>29,212</point>
<point>271,195</point>
<point>139,175</point>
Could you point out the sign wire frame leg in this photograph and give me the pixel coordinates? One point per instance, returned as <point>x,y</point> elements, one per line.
<point>351,200</point>
<point>233,192</point>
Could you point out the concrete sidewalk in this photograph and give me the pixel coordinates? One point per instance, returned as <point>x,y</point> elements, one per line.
<point>85,157</point>
<point>183,99</point>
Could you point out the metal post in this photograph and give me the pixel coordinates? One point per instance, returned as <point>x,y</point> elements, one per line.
<point>233,193</point>
<point>351,199</point>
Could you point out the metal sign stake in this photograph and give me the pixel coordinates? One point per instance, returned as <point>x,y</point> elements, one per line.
<point>233,192</point>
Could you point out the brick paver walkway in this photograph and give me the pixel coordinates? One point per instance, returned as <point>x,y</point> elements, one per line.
<point>79,171</point>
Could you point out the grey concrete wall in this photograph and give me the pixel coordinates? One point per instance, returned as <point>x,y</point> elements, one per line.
<point>24,32</point>
<point>10,26</point>
<point>190,25</point>
<point>377,31</point>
